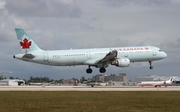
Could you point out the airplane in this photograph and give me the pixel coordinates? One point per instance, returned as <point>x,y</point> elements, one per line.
<point>97,57</point>
<point>156,83</point>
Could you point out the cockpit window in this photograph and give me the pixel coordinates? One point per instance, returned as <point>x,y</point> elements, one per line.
<point>160,50</point>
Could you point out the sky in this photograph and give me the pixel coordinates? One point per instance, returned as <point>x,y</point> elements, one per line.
<point>76,24</point>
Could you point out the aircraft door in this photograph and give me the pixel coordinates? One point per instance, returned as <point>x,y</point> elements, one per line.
<point>153,52</point>
<point>125,54</point>
<point>46,56</point>
<point>88,55</point>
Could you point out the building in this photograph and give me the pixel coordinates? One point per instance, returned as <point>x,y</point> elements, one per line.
<point>175,83</point>
<point>113,80</point>
<point>155,78</point>
<point>122,77</point>
<point>12,82</point>
<point>143,78</point>
<point>150,78</point>
<point>69,82</point>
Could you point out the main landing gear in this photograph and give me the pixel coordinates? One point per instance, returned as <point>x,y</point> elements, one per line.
<point>89,70</point>
<point>101,70</point>
<point>151,67</point>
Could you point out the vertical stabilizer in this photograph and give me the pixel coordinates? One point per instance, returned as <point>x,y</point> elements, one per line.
<point>170,80</point>
<point>27,45</point>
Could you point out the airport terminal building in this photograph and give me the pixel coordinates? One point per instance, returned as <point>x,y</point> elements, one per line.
<point>113,80</point>
<point>122,77</point>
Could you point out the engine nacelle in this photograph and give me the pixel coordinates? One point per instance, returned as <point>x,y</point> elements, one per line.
<point>123,62</point>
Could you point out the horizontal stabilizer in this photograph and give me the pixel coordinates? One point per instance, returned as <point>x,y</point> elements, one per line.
<point>29,56</point>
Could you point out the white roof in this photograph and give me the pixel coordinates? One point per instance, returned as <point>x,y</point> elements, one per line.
<point>11,80</point>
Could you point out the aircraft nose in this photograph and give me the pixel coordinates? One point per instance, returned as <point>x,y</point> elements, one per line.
<point>164,55</point>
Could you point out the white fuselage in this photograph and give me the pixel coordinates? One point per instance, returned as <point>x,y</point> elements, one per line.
<point>90,56</point>
<point>100,57</point>
<point>156,83</point>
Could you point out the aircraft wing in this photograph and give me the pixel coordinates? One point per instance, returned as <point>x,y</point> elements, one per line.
<point>111,56</point>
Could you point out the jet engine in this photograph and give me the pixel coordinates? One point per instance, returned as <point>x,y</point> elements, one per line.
<point>123,62</point>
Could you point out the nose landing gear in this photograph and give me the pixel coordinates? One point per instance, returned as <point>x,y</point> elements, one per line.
<point>150,63</point>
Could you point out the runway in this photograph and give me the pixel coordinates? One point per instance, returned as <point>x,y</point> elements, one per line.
<point>87,88</point>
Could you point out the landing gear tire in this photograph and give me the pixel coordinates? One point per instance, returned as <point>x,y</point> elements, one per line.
<point>89,70</point>
<point>151,67</point>
<point>102,70</point>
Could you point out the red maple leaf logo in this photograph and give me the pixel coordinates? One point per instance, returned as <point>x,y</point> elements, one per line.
<point>25,44</point>
<point>147,48</point>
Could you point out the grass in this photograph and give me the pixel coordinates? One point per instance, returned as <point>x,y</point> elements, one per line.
<point>74,101</point>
